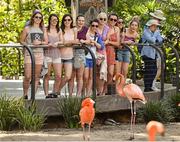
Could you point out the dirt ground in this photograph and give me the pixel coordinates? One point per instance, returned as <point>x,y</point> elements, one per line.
<point>99,132</point>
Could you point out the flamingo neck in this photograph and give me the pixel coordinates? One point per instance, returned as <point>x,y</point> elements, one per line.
<point>152,134</point>
<point>121,86</point>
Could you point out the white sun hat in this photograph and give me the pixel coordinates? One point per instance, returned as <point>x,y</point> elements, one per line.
<point>158,14</point>
<point>152,22</point>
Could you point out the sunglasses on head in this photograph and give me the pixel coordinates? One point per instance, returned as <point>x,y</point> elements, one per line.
<point>95,26</point>
<point>38,17</point>
<point>102,19</point>
<point>67,19</point>
<point>111,19</point>
<point>120,22</point>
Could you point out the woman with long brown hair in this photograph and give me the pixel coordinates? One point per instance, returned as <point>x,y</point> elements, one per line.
<point>69,36</point>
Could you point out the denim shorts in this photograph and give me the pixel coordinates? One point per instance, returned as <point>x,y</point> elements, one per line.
<point>123,56</point>
<point>89,63</point>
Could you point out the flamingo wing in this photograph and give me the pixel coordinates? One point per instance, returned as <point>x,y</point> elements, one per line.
<point>133,92</point>
<point>86,115</point>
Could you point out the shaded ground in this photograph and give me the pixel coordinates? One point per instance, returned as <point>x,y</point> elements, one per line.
<point>99,133</point>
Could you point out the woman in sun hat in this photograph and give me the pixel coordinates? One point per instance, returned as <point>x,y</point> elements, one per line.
<point>149,54</point>
<point>157,15</point>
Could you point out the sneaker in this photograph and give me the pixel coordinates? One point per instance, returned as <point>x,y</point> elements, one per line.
<point>154,88</point>
<point>25,97</point>
<point>148,90</point>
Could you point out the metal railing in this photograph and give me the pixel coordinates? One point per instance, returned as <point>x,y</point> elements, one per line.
<point>32,67</point>
<point>85,47</point>
<point>29,49</point>
<point>156,47</point>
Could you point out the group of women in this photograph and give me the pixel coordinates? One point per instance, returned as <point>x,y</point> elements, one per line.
<point>105,36</point>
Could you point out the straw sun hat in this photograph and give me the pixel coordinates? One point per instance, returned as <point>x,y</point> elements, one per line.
<point>152,22</point>
<point>158,14</point>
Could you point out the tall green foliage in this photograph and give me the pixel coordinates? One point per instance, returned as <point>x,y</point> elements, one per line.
<point>13,16</point>
<point>170,27</point>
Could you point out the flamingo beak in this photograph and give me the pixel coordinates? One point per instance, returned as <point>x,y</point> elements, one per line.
<point>114,78</point>
<point>92,101</point>
<point>163,134</point>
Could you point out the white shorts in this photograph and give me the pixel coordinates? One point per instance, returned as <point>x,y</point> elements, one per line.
<point>54,61</point>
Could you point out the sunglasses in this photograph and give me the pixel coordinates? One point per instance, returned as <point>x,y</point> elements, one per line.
<point>67,19</point>
<point>111,19</point>
<point>95,26</point>
<point>37,17</point>
<point>102,19</point>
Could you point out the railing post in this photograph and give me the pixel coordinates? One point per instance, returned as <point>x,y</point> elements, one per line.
<point>162,68</point>
<point>133,65</point>
<point>32,72</point>
<point>177,68</point>
<point>94,70</point>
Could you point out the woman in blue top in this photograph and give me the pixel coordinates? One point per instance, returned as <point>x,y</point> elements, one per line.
<point>149,54</point>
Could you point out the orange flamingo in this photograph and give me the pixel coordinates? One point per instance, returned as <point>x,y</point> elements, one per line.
<point>87,114</point>
<point>154,127</point>
<point>133,94</point>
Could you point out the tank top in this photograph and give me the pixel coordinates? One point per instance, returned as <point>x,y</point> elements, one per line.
<point>52,52</point>
<point>35,33</point>
<point>93,48</point>
<point>67,52</point>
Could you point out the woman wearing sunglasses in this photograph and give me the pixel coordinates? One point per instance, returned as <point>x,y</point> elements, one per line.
<point>33,34</point>
<point>95,43</point>
<point>69,37</point>
<point>112,42</point>
<point>52,55</point>
<point>102,30</point>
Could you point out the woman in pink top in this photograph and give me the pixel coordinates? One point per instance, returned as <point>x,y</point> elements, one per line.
<point>129,38</point>
<point>52,55</point>
<point>112,42</point>
<point>69,37</point>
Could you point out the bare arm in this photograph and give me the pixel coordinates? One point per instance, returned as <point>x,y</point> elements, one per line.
<point>23,36</point>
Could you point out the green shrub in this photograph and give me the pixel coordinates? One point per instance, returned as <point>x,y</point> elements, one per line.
<point>70,107</point>
<point>173,103</point>
<point>29,119</point>
<point>158,111</point>
<point>8,109</point>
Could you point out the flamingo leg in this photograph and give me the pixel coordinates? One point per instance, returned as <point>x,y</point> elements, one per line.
<point>84,133</point>
<point>132,116</point>
<point>88,137</point>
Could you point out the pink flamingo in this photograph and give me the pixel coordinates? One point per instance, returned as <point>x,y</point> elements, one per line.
<point>133,94</point>
<point>87,114</point>
<point>154,127</point>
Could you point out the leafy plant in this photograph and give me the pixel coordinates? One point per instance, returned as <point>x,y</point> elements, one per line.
<point>8,109</point>
<point>158,111</point>
<point>70,107</point>
<point>29,119</point>
<point>173,103</point>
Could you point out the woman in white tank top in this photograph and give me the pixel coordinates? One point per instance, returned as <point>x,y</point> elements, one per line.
<point>33,34</point>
